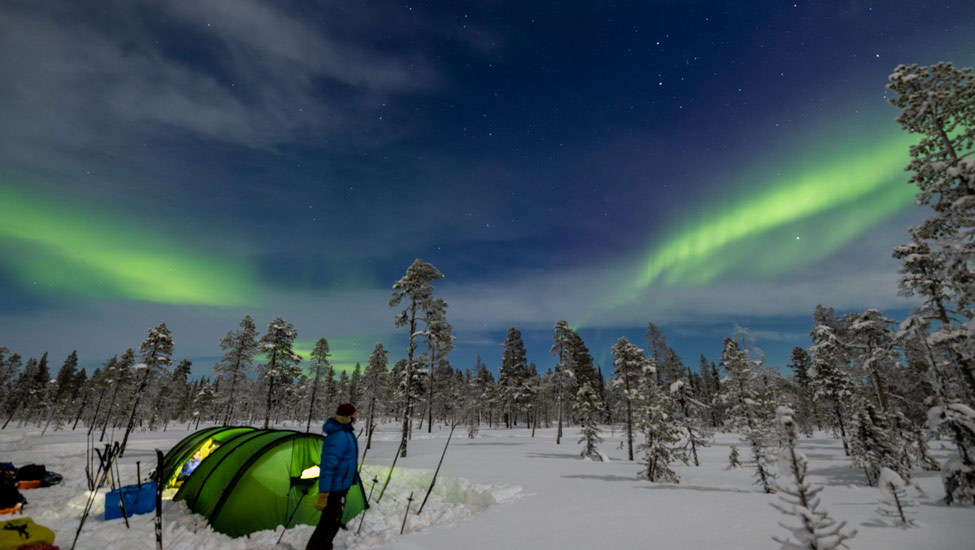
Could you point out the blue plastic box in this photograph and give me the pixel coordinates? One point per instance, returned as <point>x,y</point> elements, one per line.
<point>137,501</point>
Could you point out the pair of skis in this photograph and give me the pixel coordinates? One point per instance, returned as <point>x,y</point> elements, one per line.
<point>106,460</point>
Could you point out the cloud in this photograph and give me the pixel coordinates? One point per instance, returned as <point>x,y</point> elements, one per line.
<point>242,72</point>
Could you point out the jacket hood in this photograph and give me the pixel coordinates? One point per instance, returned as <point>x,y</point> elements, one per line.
<point>331,426</point>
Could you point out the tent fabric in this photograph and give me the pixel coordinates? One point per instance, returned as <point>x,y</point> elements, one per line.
<point>205,441</point>
<point>252,480</point>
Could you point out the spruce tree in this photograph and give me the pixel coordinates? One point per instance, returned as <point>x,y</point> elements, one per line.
<point>373,386</point>
<point>831,383</point>
<point>895,503</point>
<point>661,437</point>
<point>485,391</point>
<point>440,342</point>
<point>746,411</point>
<point>282,361</point>
<point>562,372</point>
<point>871,447</point>
<point>319,359</point>
<point>629,364</point>
<point>816,530</point>
<point>588,407</point>
<point>240,347</point>
<point>657,349</point>
<point>512,375</point>
<point>355,384</point>
<point>801,365</point>
<point>937,103</point>
<point>734,459</point>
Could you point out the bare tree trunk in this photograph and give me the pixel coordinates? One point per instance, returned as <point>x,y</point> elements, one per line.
<point>111,407</point>
<point>409,380</point>
<point>311,407</point>
<point>233,386</point>
<point>370,422</point>
<point>84,401</point>
<point>270,388</point>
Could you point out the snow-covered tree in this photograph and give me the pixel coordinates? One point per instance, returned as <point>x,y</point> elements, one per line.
<point>157,351</point>
<point>117,375</point>
<point>657,349</point>
<point>746,410</point>
<point>937,103</point>
<point>871,447</point>
<point>511,376</point>
<point>830,383</point>
<point>281,364</point>
<point>661,436</point>
<point>734,459</point>
<point>416,290</point>
<point>958,473</point>
<point>872,339</point>
<point>319,360</point>
<point>895,503</point>
<point>629,364</point>
<point>239,347</point>
<point>816,530</point>
<point>801,365</point>
<point>686,406</point>
<point>485,391</point>
<point>563,372</point>
<point>355,383</point>
<point>440,342</point>
<point>374,386</point>
<point>587,408</point>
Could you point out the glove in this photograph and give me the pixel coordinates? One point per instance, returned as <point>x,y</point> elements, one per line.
<point>322,501</point>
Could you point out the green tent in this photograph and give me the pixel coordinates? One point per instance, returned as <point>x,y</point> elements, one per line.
<point>252,480</point>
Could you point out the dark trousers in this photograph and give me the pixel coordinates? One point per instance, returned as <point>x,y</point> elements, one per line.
<point>329,523</point>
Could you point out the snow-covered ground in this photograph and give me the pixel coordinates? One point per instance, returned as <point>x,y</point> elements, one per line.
<point>506,489</point>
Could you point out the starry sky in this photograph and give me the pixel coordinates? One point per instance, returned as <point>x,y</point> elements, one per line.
<point>700,165</point>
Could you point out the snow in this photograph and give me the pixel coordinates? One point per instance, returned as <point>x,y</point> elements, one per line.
<point>506,489</point>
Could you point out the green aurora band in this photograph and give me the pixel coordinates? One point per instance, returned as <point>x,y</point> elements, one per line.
<point>344,354</point>
<point>826,204</point>
<point>53,246</point>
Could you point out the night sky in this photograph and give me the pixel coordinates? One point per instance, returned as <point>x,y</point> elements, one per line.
<point>700,165</point>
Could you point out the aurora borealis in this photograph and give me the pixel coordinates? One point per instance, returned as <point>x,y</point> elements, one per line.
<point>698,165</point>
<point>71,251</point>
<point>831,203</point>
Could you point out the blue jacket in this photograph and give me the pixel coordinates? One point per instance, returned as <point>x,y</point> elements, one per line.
<point>340,455</point>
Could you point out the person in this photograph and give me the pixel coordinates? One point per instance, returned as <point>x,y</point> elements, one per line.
<point>340,456</point>
<point>189,467</point>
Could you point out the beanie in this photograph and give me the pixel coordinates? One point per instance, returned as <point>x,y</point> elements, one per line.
<point>345,409</point>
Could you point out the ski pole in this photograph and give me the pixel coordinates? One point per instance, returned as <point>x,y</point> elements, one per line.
<point>409,500</point>
<point>363,461</point>
<point>295,511</point>
<point>121,494</point>
<point>434,480</point>
<point>362,520</point>
<point>390,475</point>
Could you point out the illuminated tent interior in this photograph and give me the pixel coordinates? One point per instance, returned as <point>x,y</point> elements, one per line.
<point>250,480</point>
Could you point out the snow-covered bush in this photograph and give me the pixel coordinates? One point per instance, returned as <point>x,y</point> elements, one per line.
<point>894,491</point>
<point>816,530</point>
